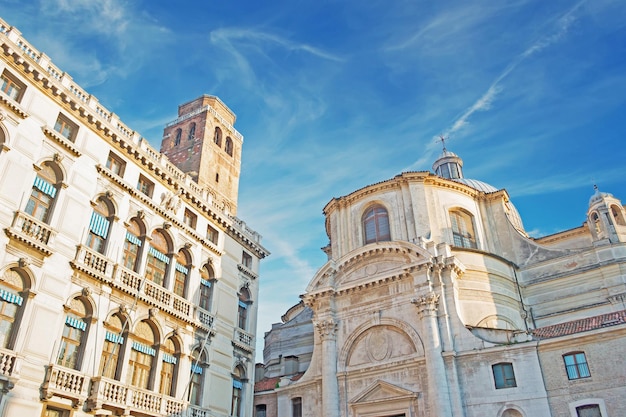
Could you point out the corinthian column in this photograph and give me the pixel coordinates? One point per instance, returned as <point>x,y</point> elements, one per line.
<point>438,390</point>
<point>327,330</point>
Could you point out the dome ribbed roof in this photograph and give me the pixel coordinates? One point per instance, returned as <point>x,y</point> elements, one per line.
<point>477,185</point>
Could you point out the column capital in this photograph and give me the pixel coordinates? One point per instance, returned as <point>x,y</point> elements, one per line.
<point>327,329</point>
<point>427,304</point>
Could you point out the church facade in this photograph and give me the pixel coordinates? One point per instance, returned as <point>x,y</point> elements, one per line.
<point>435,302</point>
<point>128,286</point>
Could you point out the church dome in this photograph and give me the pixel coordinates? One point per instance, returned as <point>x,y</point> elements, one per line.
<point>598,196</point>
<point>477,185</point>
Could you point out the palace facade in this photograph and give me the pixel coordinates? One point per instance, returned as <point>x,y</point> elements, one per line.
<point>128,286</point>
<point>436,302</point>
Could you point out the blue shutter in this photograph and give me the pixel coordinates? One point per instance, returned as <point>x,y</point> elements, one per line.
<point>133,239</point>
<point>114,337</point>
<point>75,323</point>
<point>160,256</point>
<point>99,225</point>
<point>140,347</point>
<point>45,187</point>
<point>9,297</point>
<point>182,268</point>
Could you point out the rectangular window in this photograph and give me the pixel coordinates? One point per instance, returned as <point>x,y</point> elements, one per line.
<point>11,86</point>
<point>190,219</point>
<point>51,411</point>
<point>503,375</point>
<point>591,410</point>
<point>246,260</point>
<point>66,128</point>
<point>261,411</point>
<point>296,407</point>
<point>576,365</point>
<point>212,234</point>
<point>115,164</point>
<point>145,186</point>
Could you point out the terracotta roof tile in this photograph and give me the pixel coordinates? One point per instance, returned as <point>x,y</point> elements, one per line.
<point>266,384</point>
<point>581,325</point>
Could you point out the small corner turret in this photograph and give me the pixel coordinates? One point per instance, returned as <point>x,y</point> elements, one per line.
<point>606,218</point>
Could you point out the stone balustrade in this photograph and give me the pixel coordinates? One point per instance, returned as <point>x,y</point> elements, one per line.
<point>33,232</point>
<point>111,394</point>
<point>243,339</point>
<point>66,383</point>
<point>9,366</point>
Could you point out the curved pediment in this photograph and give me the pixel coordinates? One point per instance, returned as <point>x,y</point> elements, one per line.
<point>370,263</point>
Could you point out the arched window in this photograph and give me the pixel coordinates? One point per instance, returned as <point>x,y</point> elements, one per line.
<point>43,194</point>
<point>132,245</point>
<point>238,378</point>
<point>244,302</point>
<point>142,355</point>
<point>179,133</point>
<point>217,138</point>
<point>618,215</point>
<point>158,259</point>
<point>116,333</point>
<point>462,229</point>
<point>72,344</point>
<point>13,288</point>
<point>100,224</point>
<point>169,367</point>
<point>376,225</point>
<point>207,280</point>
<point>196,382</point>
<point>595,221</point>
<point>228,146</point>
<point>183,264</point>
<point>192,132</point>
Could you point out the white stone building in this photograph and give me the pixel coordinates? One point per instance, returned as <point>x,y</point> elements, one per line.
<point>435,302</point>
<point>127,286</point>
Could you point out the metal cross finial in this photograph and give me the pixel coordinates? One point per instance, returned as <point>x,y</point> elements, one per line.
<point>442,139</point>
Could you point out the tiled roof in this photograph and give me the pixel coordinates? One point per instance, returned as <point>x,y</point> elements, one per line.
<point>266,384</point>
<point>581,325</point>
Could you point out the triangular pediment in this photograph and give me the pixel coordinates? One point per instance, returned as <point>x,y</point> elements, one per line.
<point>382,391</point>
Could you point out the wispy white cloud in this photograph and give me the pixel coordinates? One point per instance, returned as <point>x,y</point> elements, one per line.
<point>261,40</point>
<point>559,30</point>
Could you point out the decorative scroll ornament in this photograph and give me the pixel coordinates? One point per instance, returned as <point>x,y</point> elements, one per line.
<point>326,328</point>
<point>427,304</point>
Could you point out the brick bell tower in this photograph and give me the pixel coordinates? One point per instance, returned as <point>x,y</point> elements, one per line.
<point>203,143</point>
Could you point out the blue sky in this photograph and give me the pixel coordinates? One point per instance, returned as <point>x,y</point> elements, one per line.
<point>334,95</point>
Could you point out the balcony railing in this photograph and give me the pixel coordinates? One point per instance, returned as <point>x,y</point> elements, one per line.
<point>110,394</point>
<point>243,339</point>
<point>9,368</point>
<point>205,318</point>
<point>66,383</point>
<point>31,231</point>
<point>93,263</point>
<point>152,293</point>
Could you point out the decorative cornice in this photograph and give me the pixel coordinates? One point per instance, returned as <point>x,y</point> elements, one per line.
<point>58,139</point>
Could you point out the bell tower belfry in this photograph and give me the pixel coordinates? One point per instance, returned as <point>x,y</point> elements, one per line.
<point>606,218</point>
<point>203,143</point>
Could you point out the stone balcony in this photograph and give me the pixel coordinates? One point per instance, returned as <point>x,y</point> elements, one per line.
<point>243,340</point>
<point>66,383</point>
<point>113,395</point>
<point>9,369</point>
<point>104,269</point>
<point>32,232</point>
